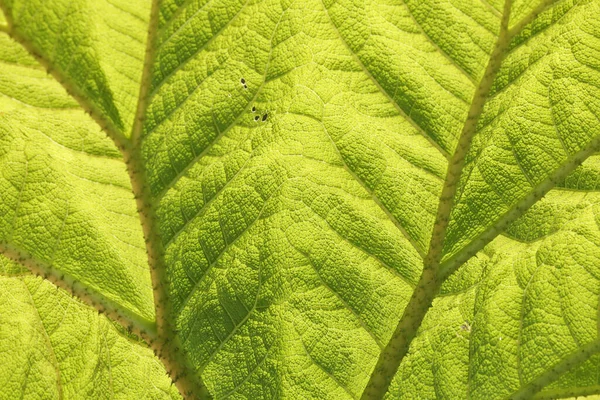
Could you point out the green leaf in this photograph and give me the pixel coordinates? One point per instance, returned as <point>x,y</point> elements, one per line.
<point>289,162</point>
<point>525,303</point>
<point>66,199</point>
<point>55,347</point>
<point>541,116</point>
<point>98,45</point>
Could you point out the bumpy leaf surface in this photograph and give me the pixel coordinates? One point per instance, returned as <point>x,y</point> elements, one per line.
<point>66,198</point>
<point>527,301</point>
<point>295,152</point>
<point>55,347</point>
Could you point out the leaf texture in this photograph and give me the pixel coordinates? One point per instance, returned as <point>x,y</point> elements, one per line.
<point>55,347</point>
<point>526,302</point>
<point>551,116</point>
<point>97,45</point>
<point>65,197</point>
<point>295,152</point>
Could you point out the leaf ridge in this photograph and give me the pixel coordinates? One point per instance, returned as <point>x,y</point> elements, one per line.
<point>514,79</point>
<point>217,139</point>
<point>108,126</point>
<point>151,332</point>
<point>110,374</point>
<point>438,48</point>
<point>250,373</point>
<point>228,245</point>
<point>431,279</point>
<point>47,342</point>
<point>478,22</point>
<point>442,275</point>
<point>521,319</point>
<point>210,146</point>
<point>479,290</point>
<point>554,394</point>
<point>328,373</point>
<point>365,251</point>
<point>18,205</point>
<point>341,299</point>
<point>448,266</point>
<point>144,94</point>
<point>535,34</point>
<point>383,91</point>
<point>371,193</point>
<point>236,327</point>
<point>519,26</point>
<point>180,9</point>
<point>198,51</point>
<point>167,40</point>
<point>205,206</point>
<point>166,342</point>
<point>233,123</point>
<point>491,8</point>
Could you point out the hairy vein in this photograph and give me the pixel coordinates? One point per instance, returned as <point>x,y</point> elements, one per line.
<point>130,321</point>
<point>429,283</point>
<point>574,359</point>
<point>94,111</point>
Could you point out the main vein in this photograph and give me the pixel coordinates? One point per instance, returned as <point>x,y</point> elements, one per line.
<point>167,346</point>
<point>429,283</point>
<point>435,273</point>
<point>161,335</point>
<point>128,319</point>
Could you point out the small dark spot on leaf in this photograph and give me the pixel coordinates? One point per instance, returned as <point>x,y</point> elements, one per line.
<point>243,81</point>
<point>253,109</point>
<point>264,118</point>
<point>256,118</point>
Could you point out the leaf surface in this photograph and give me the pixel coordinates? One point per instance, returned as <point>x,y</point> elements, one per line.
<point>295,152</point>
<point>98,47</point>
<point>528,301</point>
<point>55,347</point>
<point>66,201</point>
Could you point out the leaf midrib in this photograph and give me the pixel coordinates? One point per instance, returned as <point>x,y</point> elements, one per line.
<point>506,218</point>
<point>377,382</point>
<point>111,132</point>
